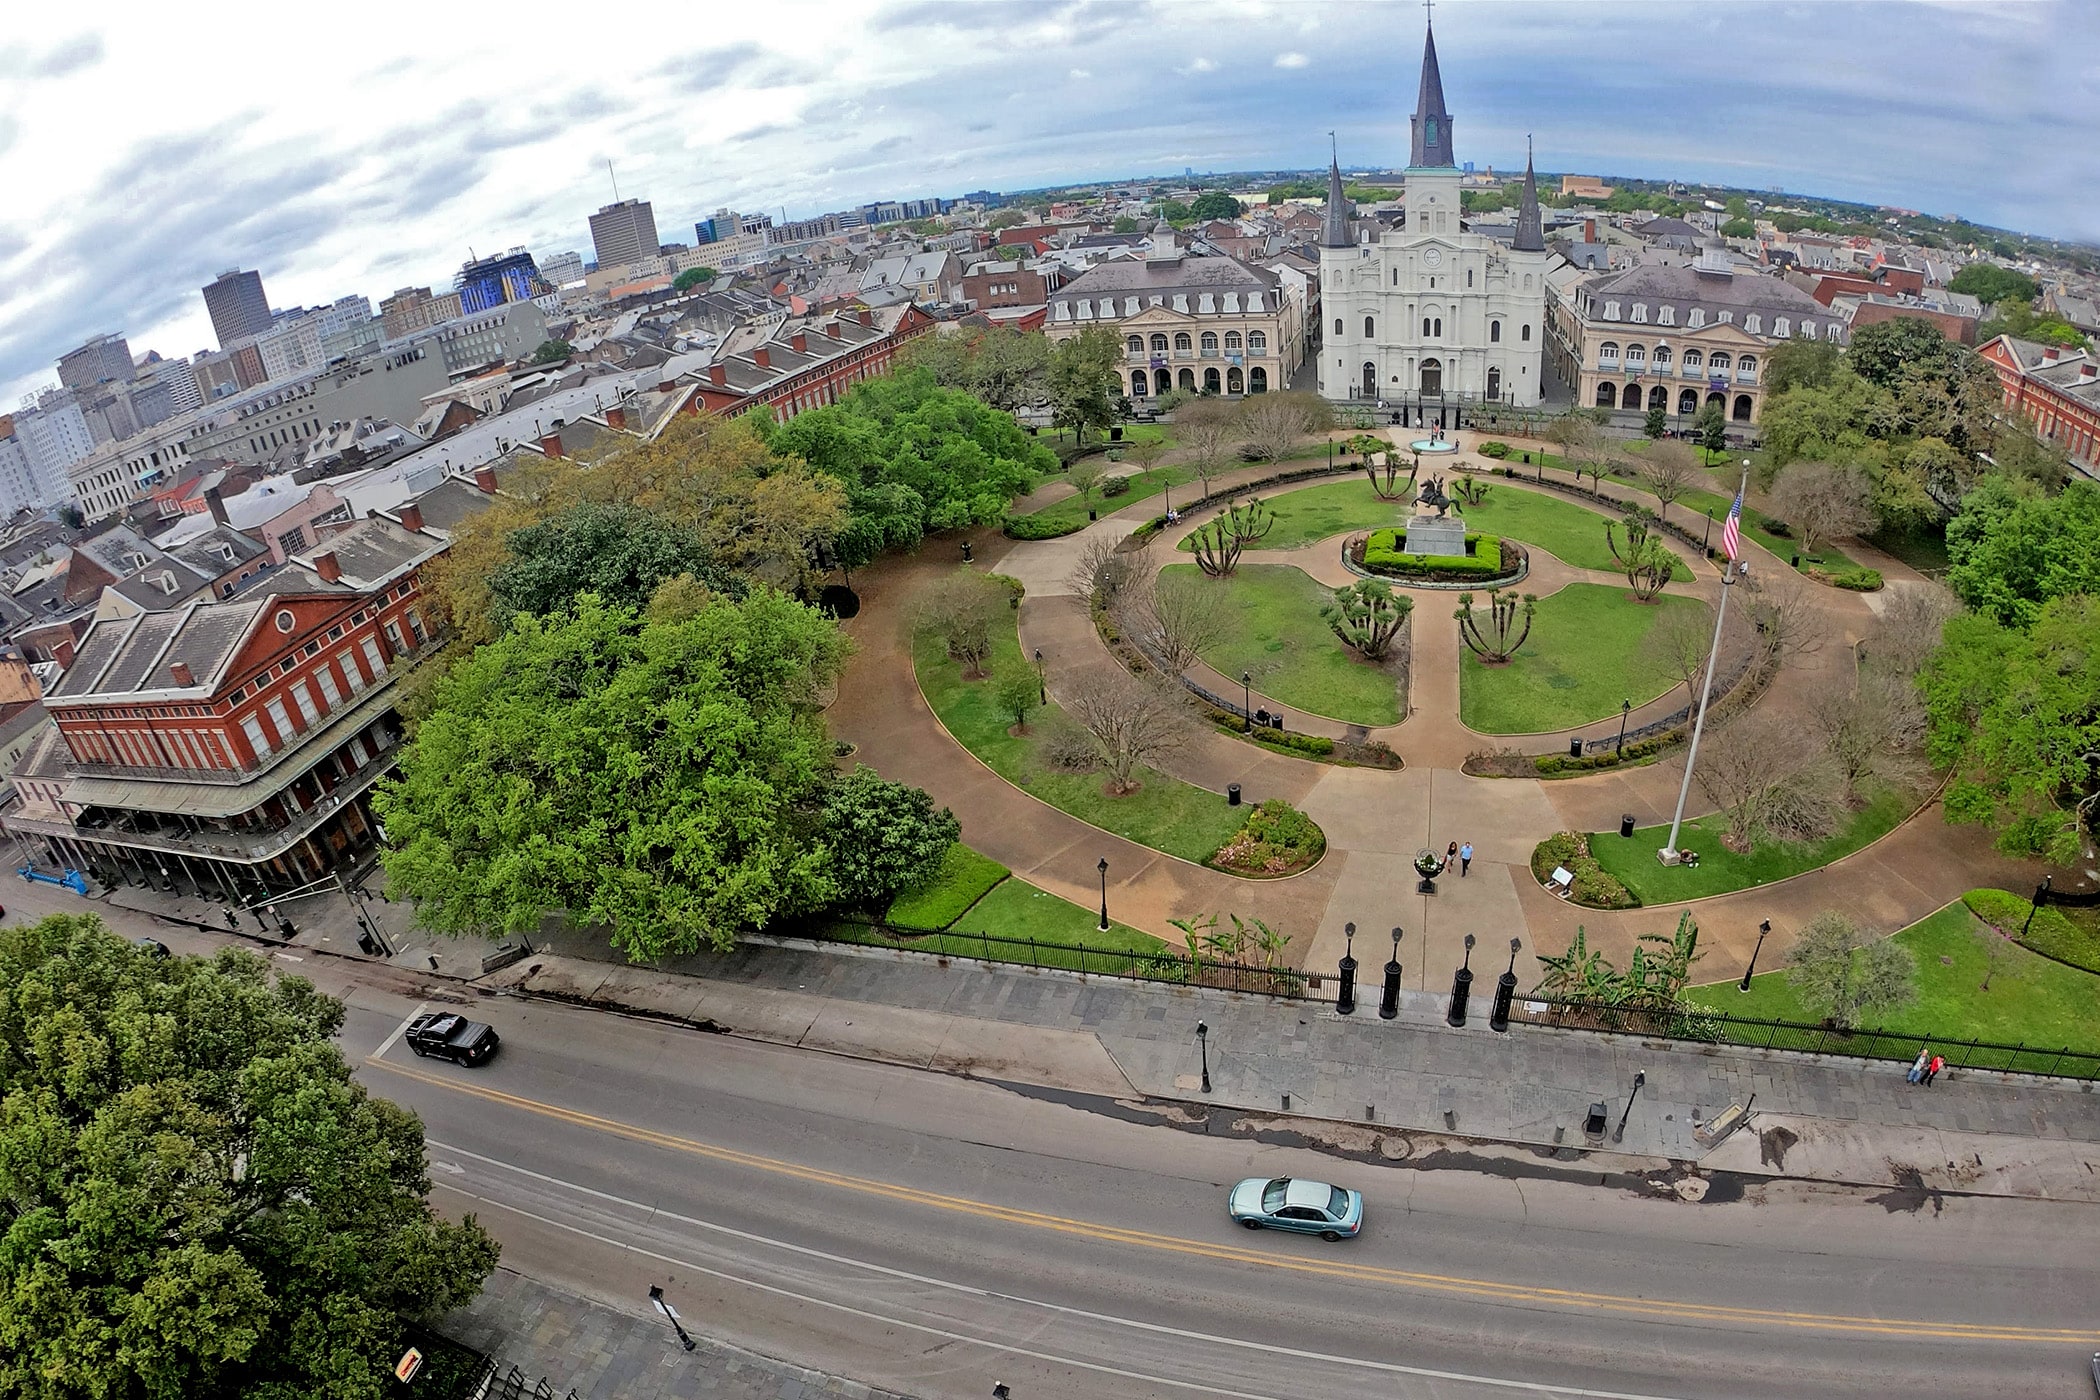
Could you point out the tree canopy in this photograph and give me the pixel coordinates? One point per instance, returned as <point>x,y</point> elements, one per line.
<point>621,553</point>
<point>661,780</point>
<point>552,352</point>
<point>1085,373</point>
<point>1214,204</point>
<point>692,277</point>
<point>198,1198</point>
<point>2012,550</point>
<point>1990,284</point>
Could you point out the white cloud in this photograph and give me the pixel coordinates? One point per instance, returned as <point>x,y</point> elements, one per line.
<point>1201,65</point>
<point>1082,73</point>
<point>1291,60</point>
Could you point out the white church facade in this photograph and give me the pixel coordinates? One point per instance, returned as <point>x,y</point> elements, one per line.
<point>1431,317</point>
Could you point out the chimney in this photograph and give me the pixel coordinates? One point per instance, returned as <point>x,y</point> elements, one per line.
<point>412,517</point>
<point>1589,230</point>
<point>551,445</point>
<point>485,478</point>
<point>799,343</point>
<point>665,386</point>
<point>215,504</point>
<point>180,670</point>
<point>2088,372</point>
<point>616,418</point>
<point>865,316</point>
<point>326,566</point>
<point>718,375</point>
<point>763,356</point>
<point>2052,354</point>
<point>831,328</point>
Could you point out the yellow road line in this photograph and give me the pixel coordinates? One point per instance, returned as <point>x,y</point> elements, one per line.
<point>1667,1309</point>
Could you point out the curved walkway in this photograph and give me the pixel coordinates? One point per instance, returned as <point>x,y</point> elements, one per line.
<point>1376,820</point>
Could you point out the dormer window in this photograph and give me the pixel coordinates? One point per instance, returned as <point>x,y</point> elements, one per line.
<point>1808,329</point>
<point>1697,318</point>
<point>1666,315</point>
<point>166,582</point>
<point>1779,327</point>
<point>1640,312</point>
<point>1751,322</point>
<point>1611,311</point>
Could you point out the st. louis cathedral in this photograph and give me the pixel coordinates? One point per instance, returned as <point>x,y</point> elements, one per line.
<point>1429,317</point>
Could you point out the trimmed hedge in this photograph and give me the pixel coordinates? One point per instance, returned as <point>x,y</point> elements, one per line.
<point>1553,764</point>
<point>1029,527</point>
<point>2051,934</point>
<point>964,878</point>
<point>1115,486</point>
<point>1859,579</point>
<point>1497,450</point>
<point>1483,559</point>
<point>1594,886</point>
<point>1317,745</point>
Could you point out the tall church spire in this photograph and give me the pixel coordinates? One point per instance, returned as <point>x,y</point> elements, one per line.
<point>1531,228</point>
<point>1336,233</point>
<point>1432,124</point>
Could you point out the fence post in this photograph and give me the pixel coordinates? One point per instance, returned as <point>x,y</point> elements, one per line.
<point>1035,957</point>
<point>1966,1053</point>
<point>2014,1058</point>
<point>2059,1059</point>
<point>986,935</point>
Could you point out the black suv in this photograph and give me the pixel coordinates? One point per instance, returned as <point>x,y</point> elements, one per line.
<point>452,1036</point>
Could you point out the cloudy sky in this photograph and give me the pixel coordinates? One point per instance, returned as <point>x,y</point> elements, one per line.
<point>364,147</point>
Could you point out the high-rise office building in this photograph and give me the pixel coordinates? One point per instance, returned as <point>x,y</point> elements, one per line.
<point>105,359</point>
<point>560,269</point>
<point>488,282</point>
<point>624,232</point>
<point>237,305</point>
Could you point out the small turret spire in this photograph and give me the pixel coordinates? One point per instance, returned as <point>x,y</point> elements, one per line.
<point>1335,234</point>
<point>1531,227</point>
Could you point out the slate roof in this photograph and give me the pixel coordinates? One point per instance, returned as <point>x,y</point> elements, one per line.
<point>1687,287</point>
<point>131,654</point>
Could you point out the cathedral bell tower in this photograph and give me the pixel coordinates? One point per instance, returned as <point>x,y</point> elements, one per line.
<point>1432,170</point>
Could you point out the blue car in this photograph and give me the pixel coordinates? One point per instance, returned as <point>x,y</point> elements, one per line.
<point>1293,1203</point>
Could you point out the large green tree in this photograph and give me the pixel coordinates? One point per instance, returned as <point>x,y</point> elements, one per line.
<point>196,1199</point>
<point>1214,204</point>
<point>1989,283</point>
<point>2012,549</point>
<point>661,781</point>
<point>1085,372</point>
<point>621,553</point>
<point>2017,714</point>
<point>886,837</point>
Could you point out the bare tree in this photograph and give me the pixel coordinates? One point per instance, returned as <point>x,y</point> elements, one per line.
<point>1134,722</point>
<point>1578,438</point>
<point>963,609</point>
<point>1176,617</point>
<point>1820,502</point>
<point>1272,424</point>
<point>1668,469</point>
<point>1680,642</point>
<point>1208,430</point>
<point>1085,475</point>
<point>1106,566</point>
<point>1770,781</point>
<point>1871,732</point>
<point>1908,629</point>
<point>1843,971</point>
<point>1787,621</point>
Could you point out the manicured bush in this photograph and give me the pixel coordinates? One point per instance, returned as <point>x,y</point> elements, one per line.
<point>1115,486</point>
<point>2050,934</point>
<point>964,878</point>
<point>1553,764</point>
<point>1858,579</point>
<point>1384,551</point>
<point>1030,527</point>
<point>1317,745</point>
<point>1277,839</point>
<point>1497,450</point>
<point>1593,886</point>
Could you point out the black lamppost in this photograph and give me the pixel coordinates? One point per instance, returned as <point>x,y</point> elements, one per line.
<point>1247,698</point>
<point>1042,687</point>
<point>1505,990</point>
<point>1461,988</point>
<point>1103,868</point>
<point>1389,999</point>
<point>1625,709</point>
<point>2040,894</point>
<point>1167,488</point>
<point>1203,1049</point>
<point>1704,539</point>
<point>663,1305</point>
<point>1764,927</point>
<point>1345,999</point>
<point>1640,1077</point>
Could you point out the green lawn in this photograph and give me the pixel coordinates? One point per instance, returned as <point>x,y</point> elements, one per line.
<point>2032,1000</point>
<point>1277,634</point>
<point>1721,870</point>
<point>1071,511</point>
<point>1755,524</point>
<point>1165,813</point>
<point>1011,924</point>
<point>1584,656</point>
<point>1569,532</point>
<point>1317,512</point>
<point>1926,552</point>
<point>964,878</point>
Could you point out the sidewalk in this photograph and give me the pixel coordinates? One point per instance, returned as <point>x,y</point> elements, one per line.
<point>1386,1086</point>
<point>590,1349</point>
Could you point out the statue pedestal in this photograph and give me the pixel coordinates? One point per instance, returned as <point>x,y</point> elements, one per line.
<point>1427,534</point>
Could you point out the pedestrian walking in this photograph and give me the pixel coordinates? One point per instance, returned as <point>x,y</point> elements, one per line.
<point>1465,859</point>
<point>233,921</point>
<point>1917,1068</point>
<point>1932,1071</point>
<point>1451,855</point>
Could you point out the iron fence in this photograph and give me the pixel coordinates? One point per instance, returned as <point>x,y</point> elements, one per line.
<point>1179,969</point>
<point>1694,1023</point>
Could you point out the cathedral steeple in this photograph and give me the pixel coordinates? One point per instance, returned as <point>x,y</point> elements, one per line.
<point>1531,228</point>
<point>1336,233</point>
<point>1432,124</point>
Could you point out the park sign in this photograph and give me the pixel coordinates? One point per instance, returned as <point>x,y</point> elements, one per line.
<point>411,1362</point>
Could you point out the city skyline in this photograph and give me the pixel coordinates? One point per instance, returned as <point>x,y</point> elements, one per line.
<point>326,188</point>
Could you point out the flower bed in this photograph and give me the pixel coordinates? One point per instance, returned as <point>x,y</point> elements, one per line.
<point>1276,840</point>
<point>1594,886</point>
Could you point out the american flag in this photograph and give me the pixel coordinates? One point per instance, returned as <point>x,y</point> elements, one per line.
<point>1732,532</point>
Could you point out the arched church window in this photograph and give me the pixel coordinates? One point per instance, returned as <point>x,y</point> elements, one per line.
<point>1338,326</point>
<point>1526,335</point>
<point>1469,277</point>
<point>1494,332</point>
<point>1439,328</point>
<point>1367,328</point>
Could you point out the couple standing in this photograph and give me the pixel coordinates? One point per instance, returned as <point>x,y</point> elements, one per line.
<point>1460,856</point>
<point>1925,1068</point>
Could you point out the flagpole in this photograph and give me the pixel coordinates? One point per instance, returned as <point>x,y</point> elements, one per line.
<point>1669,853</point>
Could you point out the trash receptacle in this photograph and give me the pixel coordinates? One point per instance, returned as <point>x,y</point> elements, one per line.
<point>1574,748</point>
<point>1625,823</point>
<point>1232,794</point>
<point>1593,1125</point>
<point>1115,434</point>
